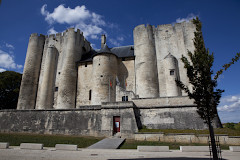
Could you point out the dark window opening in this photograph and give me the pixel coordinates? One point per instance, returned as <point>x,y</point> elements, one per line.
<point>85,64</point>
<point>123,59</point>
<point>101,75</point>
<point>56,89</point>
<point>84,49</point>
<point>99,64</point>
<point>171,72</point>
<point>59,72</point>
<point>124,98</point>
<point>90,95</point>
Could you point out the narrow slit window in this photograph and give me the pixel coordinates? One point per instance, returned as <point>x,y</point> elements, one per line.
<point>90,95</point>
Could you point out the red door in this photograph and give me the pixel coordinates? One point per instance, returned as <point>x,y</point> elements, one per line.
<point>116,124</point>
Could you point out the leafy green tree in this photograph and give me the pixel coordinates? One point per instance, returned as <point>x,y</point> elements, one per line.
<point>230,125</point>
<point>10,82</point>
<point>199,72</point>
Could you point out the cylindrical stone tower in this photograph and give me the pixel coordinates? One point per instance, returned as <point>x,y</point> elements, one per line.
<point>29,84</point>
<point>104,76</point>
<point>171,73</point>
<point>46,96</point>
<point>145,62</point>
<point>73,42</point>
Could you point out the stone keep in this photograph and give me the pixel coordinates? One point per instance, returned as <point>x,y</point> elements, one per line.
<point>63,72</point>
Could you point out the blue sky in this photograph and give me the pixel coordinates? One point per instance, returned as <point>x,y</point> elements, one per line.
<point>117,19</point>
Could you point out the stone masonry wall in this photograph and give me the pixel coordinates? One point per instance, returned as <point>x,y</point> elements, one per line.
<point>186,138</point>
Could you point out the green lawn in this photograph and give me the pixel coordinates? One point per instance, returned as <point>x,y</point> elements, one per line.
<point>15,139</point>
<point>50,140</point>
<point>132,144</point>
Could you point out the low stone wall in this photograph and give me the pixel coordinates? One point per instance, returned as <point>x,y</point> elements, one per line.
<point>97,120</point>
<point>186,138</point>
<point>170,113</point>
<point>86,120</point>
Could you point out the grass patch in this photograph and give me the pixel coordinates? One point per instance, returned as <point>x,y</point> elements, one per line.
<point>228,131</point>
<point>15,139</point>
<point>132,144</point>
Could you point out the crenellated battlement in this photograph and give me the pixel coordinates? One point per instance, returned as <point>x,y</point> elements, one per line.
<point>37,35</point>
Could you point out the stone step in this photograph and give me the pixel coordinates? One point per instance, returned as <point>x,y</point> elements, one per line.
<point>36,146</point>
<point>194,148</point>
<point>4,145</point>
<point>68,147</point>
<point>153,148</point>
<point>107,143</point>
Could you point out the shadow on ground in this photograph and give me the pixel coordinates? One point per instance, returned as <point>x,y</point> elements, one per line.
<point>166,158</point>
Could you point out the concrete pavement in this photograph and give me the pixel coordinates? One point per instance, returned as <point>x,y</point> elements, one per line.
<point>108,143</point>
<point>15,153</point>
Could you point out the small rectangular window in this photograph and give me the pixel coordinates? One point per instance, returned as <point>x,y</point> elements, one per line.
<point>124,98</point>
<point>56,89</point>
<point>171,72</point>
<point>85,64</point>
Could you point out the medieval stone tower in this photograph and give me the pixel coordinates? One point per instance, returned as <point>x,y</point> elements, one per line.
<point>74,89</point>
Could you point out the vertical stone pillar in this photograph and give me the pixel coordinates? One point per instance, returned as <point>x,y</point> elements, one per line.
<point>46,96</point>
<point>145,62</point>
<point>67,87</point>
<point>29,84</point>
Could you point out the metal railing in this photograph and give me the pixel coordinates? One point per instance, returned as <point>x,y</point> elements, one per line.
<point>219,152</point>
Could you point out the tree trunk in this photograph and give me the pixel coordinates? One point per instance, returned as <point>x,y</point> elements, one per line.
<point>213,143</point>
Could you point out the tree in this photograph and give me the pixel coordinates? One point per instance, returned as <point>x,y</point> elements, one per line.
<point>10,82</point>
<point>199,72</point>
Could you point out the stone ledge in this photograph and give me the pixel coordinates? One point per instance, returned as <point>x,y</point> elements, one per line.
<point>234,148</point>
<point>233,136</point>
<point>172,134</point>
<point>166,106</point>
<point>194,148</point>
<point>4,145</point>
<point>149,133</point>
<point>36,146</point>
<point>68,147</point>
<point>153,148</point>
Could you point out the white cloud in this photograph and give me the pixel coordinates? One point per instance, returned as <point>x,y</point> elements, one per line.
<point>9,46</point>
<point>229,104</point>
<point>7,61</point>
<point>89,30</point>
<point>114,42</point>
<point>52,31</point>
<point>120,38</point>
<point>94,36</point>
<point>187,19</point>
<point>93,45</point>
<point>88,22</point>
<point>2,70</point>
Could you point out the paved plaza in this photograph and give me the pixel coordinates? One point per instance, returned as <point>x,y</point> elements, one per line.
<point>15,153</point>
